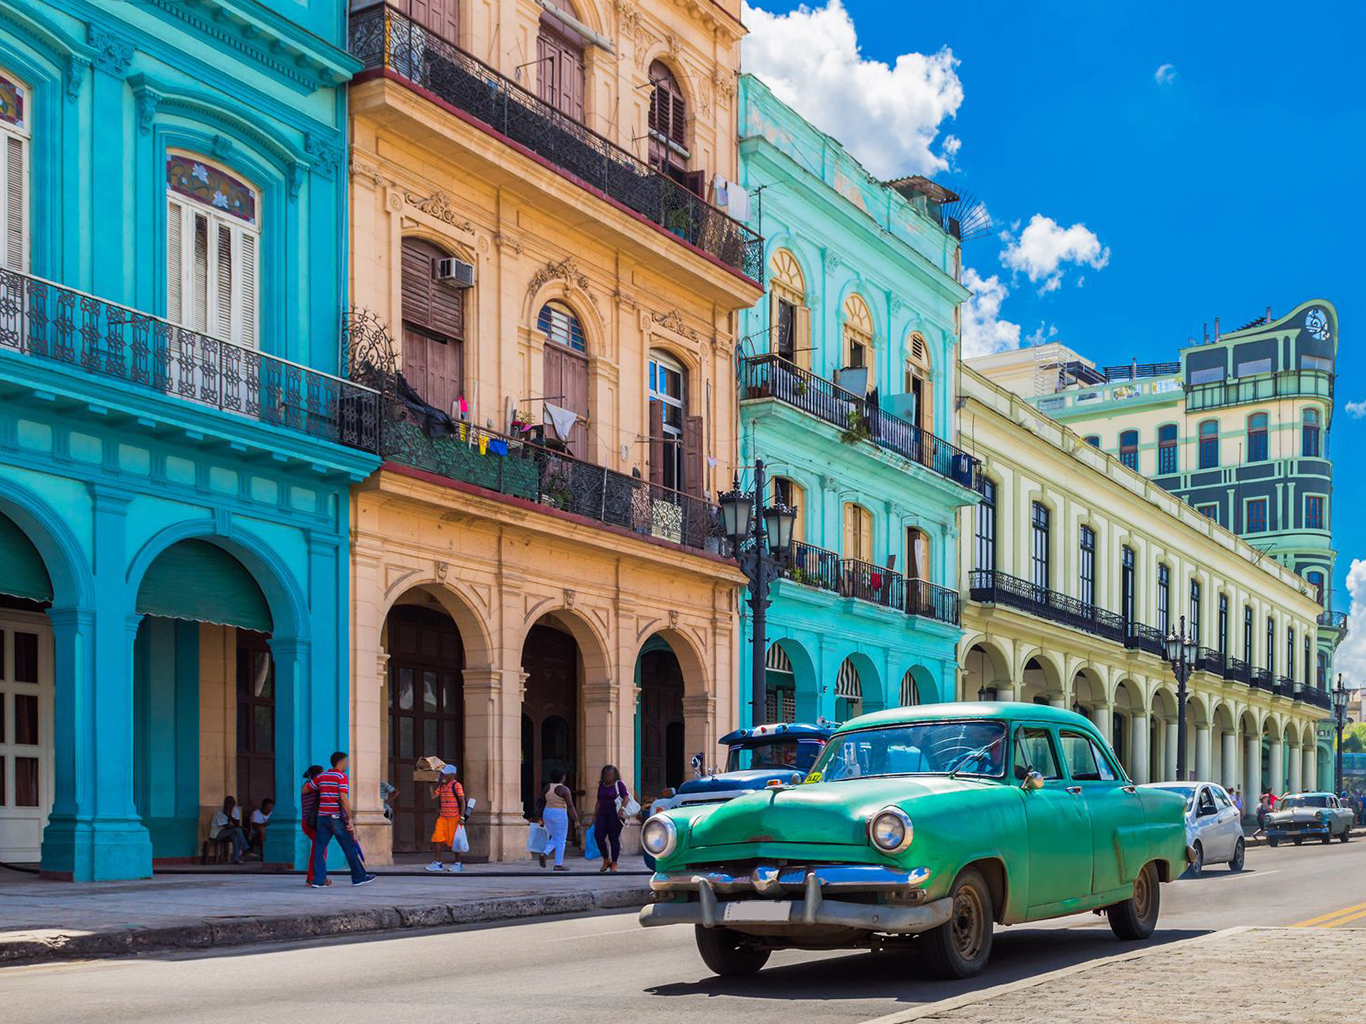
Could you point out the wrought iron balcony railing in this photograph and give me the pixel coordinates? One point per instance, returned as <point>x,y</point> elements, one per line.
<point>42,320</point>
<point>384,39</point>
<point>1237,670</point>
<point>1284,686</point>
<point>1209,660</point>
<point>1261,388</point>
<point>932,601</point>
<point>770,376</point>
<point>814,567</point>
<point>993,587</point>
<point>1315,696</point>
<point>1260,679</point>
<point>869,582</point>
<point>1146,638</point>
<point>1333,620</point>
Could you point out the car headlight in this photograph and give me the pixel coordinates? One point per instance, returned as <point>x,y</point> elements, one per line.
<point>890,830</point>
<point>659,836</point>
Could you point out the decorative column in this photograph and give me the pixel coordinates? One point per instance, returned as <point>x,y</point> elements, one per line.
<point>1252,772</point>
<point>491,773</point>
<point>700,731</point>
<point>1202,752</point>
<point>600,735</point>
<point>1277,773</point>
<point>1057,702</point>
<point>1169,750</point>
<point>369,697</point>
<point>1311,768</point>
<point>1138,747</point>
<point>1296,763</point>
<point>1228,770</point>
<point>294,749</point>
<point>1102,716</point>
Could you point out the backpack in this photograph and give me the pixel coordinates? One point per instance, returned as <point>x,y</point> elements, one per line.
<point>309,802</point>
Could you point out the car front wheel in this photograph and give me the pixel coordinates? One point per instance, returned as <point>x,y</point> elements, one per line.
<point>1198,864</point>
<point>1273,843</point>
<point>1136,917</point>
<point>1346,834</point>
<point>726,953</point>
<point>961,947</point>
<point>1239,852</point>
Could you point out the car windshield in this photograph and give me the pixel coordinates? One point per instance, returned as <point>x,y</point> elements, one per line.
<point>916,748</point>
<point>1187,792</point>
<point>798,754</point>
<point>1291,802</point>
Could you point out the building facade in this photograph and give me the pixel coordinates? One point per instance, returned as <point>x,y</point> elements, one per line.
<point>176,449</point>
<point>538,581</point>
<point>846,393</point>
<point>1238,427</point>
<point>1079,567</point>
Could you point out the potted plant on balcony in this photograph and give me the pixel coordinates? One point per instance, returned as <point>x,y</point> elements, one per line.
<point>857,429</point>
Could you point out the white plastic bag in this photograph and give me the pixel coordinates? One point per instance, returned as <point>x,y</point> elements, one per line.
<point>537,839</point>
<point>461,842</point>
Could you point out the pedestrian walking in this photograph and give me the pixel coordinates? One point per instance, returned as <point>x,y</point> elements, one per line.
<point>452,799</point>
<point>559,810</point>
<point>336,821</point>
<point>610,815</point>
<point>308,819</point>
<point>1263,809</point>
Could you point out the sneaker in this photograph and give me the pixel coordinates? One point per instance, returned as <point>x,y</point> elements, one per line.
<point>435,866</point>
<point>315,885</point>
<point>455,867</point>
<point>366,880</point>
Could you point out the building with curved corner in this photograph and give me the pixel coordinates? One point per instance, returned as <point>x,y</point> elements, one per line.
<point>1077,568</point>
<point>538,225</point>
<point>176,447</point>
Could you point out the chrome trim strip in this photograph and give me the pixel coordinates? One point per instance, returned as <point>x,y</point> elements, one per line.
<point>872,917</point>
<point>770,880</point>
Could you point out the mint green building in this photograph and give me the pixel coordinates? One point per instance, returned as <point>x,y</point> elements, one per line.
<point>846,393</point>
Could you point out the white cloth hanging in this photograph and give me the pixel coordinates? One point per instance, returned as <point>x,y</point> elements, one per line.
<point>562,420</point>
<point>731,197</point>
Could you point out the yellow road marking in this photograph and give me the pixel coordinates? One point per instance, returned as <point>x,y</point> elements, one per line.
<point>1313,921</point>
<point>1346,920</point>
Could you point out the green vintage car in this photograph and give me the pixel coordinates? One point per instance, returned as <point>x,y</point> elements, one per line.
<point>921,825</point>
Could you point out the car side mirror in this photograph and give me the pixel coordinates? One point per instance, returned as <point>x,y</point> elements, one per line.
<point>1032,781</point>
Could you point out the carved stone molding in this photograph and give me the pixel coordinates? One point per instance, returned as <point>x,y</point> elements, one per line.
<point>148,101</point>
<point>673,320</point>
<point>113,53</point>
<point>438,206</point>
<point>566,270</point>
<point>76,69</point>
<point>508,242</point>
<point>327,158</point>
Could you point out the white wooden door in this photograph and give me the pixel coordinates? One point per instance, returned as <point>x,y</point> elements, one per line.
<point>25,733</point>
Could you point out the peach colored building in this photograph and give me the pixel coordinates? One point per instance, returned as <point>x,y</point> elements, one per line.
<point>539,231</point>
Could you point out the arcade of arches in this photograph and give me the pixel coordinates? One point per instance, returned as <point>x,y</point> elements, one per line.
<point>1239,738</point>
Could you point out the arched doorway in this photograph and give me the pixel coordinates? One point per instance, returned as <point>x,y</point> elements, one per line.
<point>426,708</point>
<point>660,720</point>
<point>550,736</point>
<point>780,686</point>
<point>985,674</point>
<point>848,692</point>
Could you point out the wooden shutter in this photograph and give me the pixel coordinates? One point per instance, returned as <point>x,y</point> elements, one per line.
<point>693,476</point>
<point>199,273</point>
<point>678,120</point>
<point>560,81</point>
<point>433,327</point>
<point>439,16</point>
<point>565,383</point>
<point>850,531</point>
<point>14,202</point>
<point>656,441</point>
<point>801,341</point>
<point>224,267</point>
<point>696,183</point>
<point>175,262</point>
<point>246,275</point>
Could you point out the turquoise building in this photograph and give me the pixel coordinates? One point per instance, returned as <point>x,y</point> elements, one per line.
<point>176,448</point>
<point>846,393</point>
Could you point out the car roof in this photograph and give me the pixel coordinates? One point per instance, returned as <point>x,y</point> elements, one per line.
<point>1006,711</point>
<point>1315,792</point>
<point>781,730</point>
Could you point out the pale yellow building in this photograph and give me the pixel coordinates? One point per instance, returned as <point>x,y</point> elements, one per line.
<point>1078,568</point>
<point>537,193</point>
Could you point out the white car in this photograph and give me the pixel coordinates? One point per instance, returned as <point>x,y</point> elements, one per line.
<point>1214,828</point>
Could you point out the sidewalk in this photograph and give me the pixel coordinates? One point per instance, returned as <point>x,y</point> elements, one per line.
<point>42,920</point>
<point>1249,975</point>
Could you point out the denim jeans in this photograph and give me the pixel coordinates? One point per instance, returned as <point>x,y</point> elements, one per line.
<point>237,837</point>
<point>556,820</point>
<point>333,826</point>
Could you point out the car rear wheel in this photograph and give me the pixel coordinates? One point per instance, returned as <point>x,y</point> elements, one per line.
<point>1328,837</point>
<point>727,954</point>
<point>1239,852</point>
<point>1346,834</point>
<point>961,947</point>
<point>1273,843</point>
<point>1198,864</point>
<point>1298,840</point>
<point>1136,917</point>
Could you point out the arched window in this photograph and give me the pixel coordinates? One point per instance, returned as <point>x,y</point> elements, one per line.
<point>1309,434</point>
<point>212,241</point>
<point>848,692</point>
<point>1166,450</point>
<point>675,437</point>
<point>788,313</point>
<point>1209,444</point>
<point>433,327</point>
<point>14,159</point>
<point>1039,548</point>
<point>668,129</point>
<point>1256,437</point>
<point>858,532</point>
<point>858,345</point>
<point>1315,579</point>
<point>1128,448</point>
<point>559,58</point>
<point>1093,440</point>
<point>1164,589</point>
<point>789,492</point>
<point>780,686</point>
<point>910,692</point>
<point>919,382</point>
<point>917,554</point>
<point>564,382</point>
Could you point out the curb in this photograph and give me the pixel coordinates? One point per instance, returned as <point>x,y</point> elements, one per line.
<point>246,931</point>
<point>1355,832</point>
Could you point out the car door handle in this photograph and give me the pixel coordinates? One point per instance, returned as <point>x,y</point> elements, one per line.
<point>1129,789</point>
<point>1074,790</point>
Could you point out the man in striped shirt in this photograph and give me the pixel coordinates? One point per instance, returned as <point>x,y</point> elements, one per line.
<point>335,822</point>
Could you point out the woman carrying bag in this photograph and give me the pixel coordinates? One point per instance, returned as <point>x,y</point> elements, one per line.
<point>559,809</point>
<point>615,805</point>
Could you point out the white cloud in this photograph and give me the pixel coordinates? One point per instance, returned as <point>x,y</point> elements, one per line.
<point>1165,74</point>
<point>887,116</point>
<point>1356,410</point>
<point>1042,334</point>
<point>1044,247</point>
<point>984,332</point>
<point>1350,659</point>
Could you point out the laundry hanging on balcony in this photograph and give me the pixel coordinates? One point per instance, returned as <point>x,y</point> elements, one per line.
<point>561,419</point>
<point>731,198</point>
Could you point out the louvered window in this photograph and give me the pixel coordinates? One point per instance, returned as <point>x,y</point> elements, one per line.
<point>668,109</point>
<point>212,252</point>
<point>14,174</point>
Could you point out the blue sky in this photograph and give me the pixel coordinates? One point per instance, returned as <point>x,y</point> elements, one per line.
<point>1233,183</point>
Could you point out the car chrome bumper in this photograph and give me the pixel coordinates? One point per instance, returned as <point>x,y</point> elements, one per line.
<point>1292,832</point>
<point>771,880</point>
<point>793,915</point>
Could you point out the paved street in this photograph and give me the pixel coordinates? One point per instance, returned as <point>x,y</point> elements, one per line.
<point>604,967</point>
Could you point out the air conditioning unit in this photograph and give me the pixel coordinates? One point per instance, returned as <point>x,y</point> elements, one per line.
<point>454,271</point>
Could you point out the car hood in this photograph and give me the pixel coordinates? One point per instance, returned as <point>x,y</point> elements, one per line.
<point>1295,815</point>
<point>827,812</point>
<point>728,782</point>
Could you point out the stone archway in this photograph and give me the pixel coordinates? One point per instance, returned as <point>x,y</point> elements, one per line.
<point>986,672</point>
<point>1130,728</point>
<point>1041,682</point>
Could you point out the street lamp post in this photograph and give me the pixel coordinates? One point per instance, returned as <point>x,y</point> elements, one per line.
<point>761,536</point>
<point>1340,714</point>
<point>1181,654</point>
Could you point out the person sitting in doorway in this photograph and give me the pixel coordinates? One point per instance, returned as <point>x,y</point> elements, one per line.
<point>260,819</point>
<point>226,824</point>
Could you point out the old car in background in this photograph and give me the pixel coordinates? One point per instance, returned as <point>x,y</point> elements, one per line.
<point>934,822</point>
<point>1214,828</point>
<point>754,758</point>
<point>1301,816</point>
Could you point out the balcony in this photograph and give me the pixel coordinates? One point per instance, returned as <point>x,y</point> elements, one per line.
<point>1209,660</point>
<point>50,323</point>
<point>539,475</point>
<point>1236,670</point>
<point>1260,679</point>
<point>771,376</point>
<point>1146,638</point>
<point>1333,620</point>
<point>992,587</point>
<point>850,577</point>
<point>1284,687</point>
<point>1318,698</point>
<point>389,42</point>
<point>1261,388</point>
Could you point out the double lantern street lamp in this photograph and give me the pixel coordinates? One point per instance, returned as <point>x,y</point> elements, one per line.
<point>1340,714</point>
<point>761,537</point>
<point>1181,654</point>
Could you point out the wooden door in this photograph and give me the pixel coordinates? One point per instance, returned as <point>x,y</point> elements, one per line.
<point>565,383</point>
<point>439,16</point>
<point>26,696</point>
<point>560,79</point>
<point>550,658</point>
<point>433,327</point>
<point>661,713</point>
<point>255,721</point>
